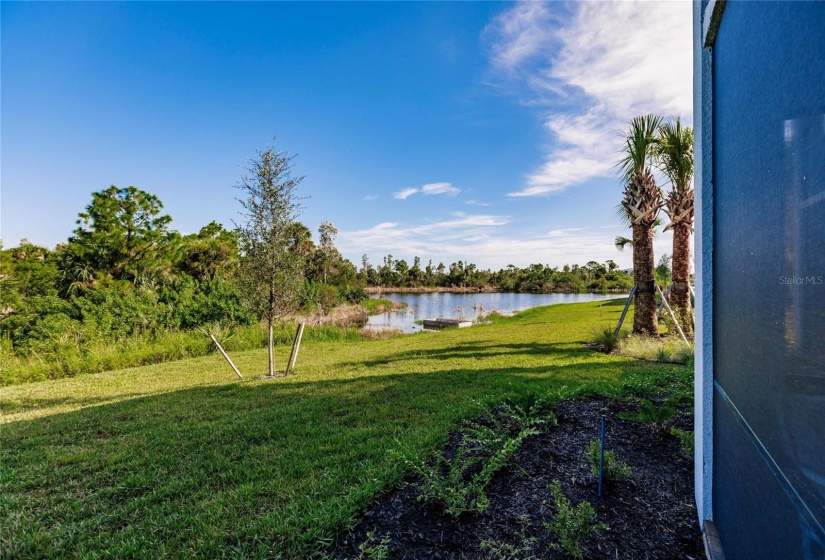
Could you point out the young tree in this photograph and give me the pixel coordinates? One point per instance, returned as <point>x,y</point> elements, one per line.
<point>326,246</point>
<point>271,270</point>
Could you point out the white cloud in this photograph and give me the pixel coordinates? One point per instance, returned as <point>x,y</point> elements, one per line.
<point>440,188</point>
<point>519,34</point>
<point>491,241</point>
<point>403,194</point>
<point>370,197</point>
<point>609,61</point>
<point>428,189</point>
<point>476,203</point>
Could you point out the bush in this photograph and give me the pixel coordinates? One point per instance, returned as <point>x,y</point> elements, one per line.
<point>328,297</point>
<point>614,470</point>
<point>353,294</point>
<point>458,484</point>
<point>572,525</point>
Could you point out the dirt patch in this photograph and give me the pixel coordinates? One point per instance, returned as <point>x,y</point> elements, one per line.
<point>650,514</point>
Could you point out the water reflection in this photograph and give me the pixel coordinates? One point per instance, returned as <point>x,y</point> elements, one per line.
<point>467,306</point>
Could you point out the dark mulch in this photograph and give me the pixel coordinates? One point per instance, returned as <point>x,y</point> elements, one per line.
<point>651,514</point>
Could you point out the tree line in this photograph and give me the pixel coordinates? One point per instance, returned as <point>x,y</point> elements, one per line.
<point>126,277</point>
<point>537,278</point>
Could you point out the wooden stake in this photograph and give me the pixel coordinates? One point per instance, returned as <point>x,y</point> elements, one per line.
<point>225,355</point>
<point>296,344</point>
<point>672,316</point>
<point>662,302</point>
<point>626,306</point>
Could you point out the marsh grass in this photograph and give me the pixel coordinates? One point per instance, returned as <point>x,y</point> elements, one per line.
<point>183,460</point>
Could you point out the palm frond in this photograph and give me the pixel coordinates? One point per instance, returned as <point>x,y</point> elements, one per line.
<point>622,242</point>
<point>640,140</point>
<point>673,153</point>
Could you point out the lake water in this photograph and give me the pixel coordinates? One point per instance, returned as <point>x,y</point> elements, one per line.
<point>465,306</point>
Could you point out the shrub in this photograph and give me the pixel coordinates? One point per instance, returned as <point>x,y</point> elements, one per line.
<point>353,294</point>
<point>614,469</point>
<point>572,525</point>
<point>458,484</point>
<point>328,297</point>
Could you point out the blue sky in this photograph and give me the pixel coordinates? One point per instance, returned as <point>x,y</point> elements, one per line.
<point>482,132</point>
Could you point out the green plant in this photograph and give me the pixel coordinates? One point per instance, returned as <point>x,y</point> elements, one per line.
<point>603,337</point>
<point>658,415</point>
<point>686,438</point>
<point>572,524</point>
<point>614,469</point>
<point>373,549</point>
<point>498,550</point>
<point>458,483</point>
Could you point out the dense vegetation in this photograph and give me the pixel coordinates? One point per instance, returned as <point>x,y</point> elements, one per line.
<point>125,289</point>
<point>183,460</point>
<point>592,277</point>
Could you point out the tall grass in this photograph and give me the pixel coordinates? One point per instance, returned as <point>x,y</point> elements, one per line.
<point>141,350</point>
<point>667,349</point>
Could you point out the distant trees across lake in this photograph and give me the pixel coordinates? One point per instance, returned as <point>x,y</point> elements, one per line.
<point>536,278</point>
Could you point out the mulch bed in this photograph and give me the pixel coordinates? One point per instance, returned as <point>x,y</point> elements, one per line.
<point>651,514</point>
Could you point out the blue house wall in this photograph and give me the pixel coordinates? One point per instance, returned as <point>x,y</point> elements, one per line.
<point>760,245</point>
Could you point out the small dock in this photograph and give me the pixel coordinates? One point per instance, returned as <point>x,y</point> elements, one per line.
<point>438,324</point>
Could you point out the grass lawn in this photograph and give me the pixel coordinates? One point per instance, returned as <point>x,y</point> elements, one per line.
<point>182,459</point>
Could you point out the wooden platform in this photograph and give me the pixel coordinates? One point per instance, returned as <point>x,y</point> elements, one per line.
<point>439,324</point>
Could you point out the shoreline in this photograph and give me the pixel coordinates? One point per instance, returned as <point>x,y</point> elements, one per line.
<point>472,290</point>
<point>428,290</point>
<point>354,316</point>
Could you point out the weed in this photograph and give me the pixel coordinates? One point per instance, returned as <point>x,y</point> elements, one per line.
<point>686,438</point>
<point>373,549</point>
<point>522,550</point>
<point>614,469</point>
<point>572,524</point>
<point>658,415</point>
<point>498,550</point>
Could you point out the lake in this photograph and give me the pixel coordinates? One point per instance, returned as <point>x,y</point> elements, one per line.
<point>467,306</point>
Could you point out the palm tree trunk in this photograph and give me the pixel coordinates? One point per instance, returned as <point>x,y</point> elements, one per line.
<point>680,292</point>
<point>644,314</point>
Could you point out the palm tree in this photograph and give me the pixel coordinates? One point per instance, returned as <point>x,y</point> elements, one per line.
<point>674,157</point>
<point>642,202</point>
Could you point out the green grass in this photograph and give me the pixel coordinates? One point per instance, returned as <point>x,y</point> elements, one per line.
<point>144,350</point>
<point>378,305</point>
<point>182,459</point>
